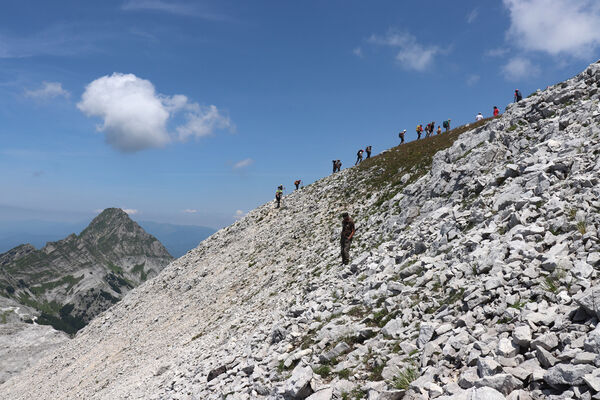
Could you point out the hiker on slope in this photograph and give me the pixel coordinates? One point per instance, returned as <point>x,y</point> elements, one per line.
<point>278,194</point>
<point>401,136</point>
<point>334,165</point>
<point>439,130</point>
<point>338,165</point>
<point>297,183</point>
<point>419,131</point>
<point>446,125</point>
<point>368,150</point>
<point>359,157</point>
<point>478,117</point>
<point>348,231</point>
<point>496,111</point>
<point>518,96</point>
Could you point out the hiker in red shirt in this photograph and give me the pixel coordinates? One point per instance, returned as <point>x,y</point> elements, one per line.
<point>496,111</point>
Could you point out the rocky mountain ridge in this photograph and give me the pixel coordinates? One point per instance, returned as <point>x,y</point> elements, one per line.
<point>474,276</point>
<point>68,282</point>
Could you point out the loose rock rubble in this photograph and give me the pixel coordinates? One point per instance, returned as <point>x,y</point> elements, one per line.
<point>477,281</point>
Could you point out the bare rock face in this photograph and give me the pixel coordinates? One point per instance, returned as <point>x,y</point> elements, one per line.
<point>22,345</point>
<point>479,252</point>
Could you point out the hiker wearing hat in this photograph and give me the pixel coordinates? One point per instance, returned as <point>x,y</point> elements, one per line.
<point>348,231</point>
<point>401,136</point>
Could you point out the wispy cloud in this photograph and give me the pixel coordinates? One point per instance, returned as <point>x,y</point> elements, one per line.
<point>472,16</point>
<point>57,40</point>
<point>187,9</point>
<point>519,68</point>
<point>243,163</point>
<point>570,27</point>
<point>49,90</point>
<point>358,52</point>
<point>473,79</point>
<point>498,52</point>
<point>135,116</point>
<point>131,211</point>
<point>410,54</point>
<point>190,211</point>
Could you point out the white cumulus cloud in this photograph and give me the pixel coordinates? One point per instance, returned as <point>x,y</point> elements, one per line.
<point>135,116</point>
<point>519,68</point>
<point>49,90</point>
<point>555,26</point>
<point>410,53</point>
<point>131,211</point>
<point>243,163</point>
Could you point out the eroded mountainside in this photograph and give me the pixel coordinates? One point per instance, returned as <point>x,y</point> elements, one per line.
<point>474,276</point>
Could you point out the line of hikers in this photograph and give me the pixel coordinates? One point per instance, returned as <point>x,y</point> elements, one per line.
<point>348,228</point>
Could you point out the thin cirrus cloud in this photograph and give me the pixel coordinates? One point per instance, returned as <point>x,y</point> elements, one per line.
<point>243,163</point>
<point>410,54</point>
<point>135,117</point>
<point>472,16</point>
<point>187,9</point>
<point>48,90</point>
<point>555,27</point>
<point>473,79</point>
<point>190,211</point>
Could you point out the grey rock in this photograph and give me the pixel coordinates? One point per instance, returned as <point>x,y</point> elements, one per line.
<point>503,383</point>
<point>567,374</point>
<point>425,334</point>
<point>522,335</point>
<point>589,300</point>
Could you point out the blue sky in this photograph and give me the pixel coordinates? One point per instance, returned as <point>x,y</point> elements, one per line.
<point>193,112</point>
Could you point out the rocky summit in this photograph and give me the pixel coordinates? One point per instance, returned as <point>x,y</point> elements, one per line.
<point>67,283</point>
<point>474,275</point>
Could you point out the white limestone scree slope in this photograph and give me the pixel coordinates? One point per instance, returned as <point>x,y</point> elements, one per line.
<point>477,281</point>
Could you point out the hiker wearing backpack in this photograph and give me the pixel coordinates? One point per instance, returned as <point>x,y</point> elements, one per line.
<point>401,136</point>
<point>348,231</point>
<point>359,157</point>
<point>496,111</point>
<point>478,117</point>
<point>439,130</point>
<point>446,125</point>
<point>518,96</point>
<point>297,183</point>
<point>338,165</point>
<point>368,150</point>
<point>278,195</point>
<point>419,131</point>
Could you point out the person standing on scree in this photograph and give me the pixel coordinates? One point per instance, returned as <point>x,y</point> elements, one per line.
<point>348,231</point>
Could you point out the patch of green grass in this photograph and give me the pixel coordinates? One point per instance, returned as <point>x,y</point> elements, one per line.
<point>518,305</point>
<point>376,371</point>
<point>4,316</point>
<point>405,378</point>
<point>68,280</point>
<point>512,128</point>
<point>550,284</point>
<point>414,157</point>
<point>115,268</point>
<point>344,374</point>
<point>323,370</point>
<point>581,227</point>
<point>139,269</point>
